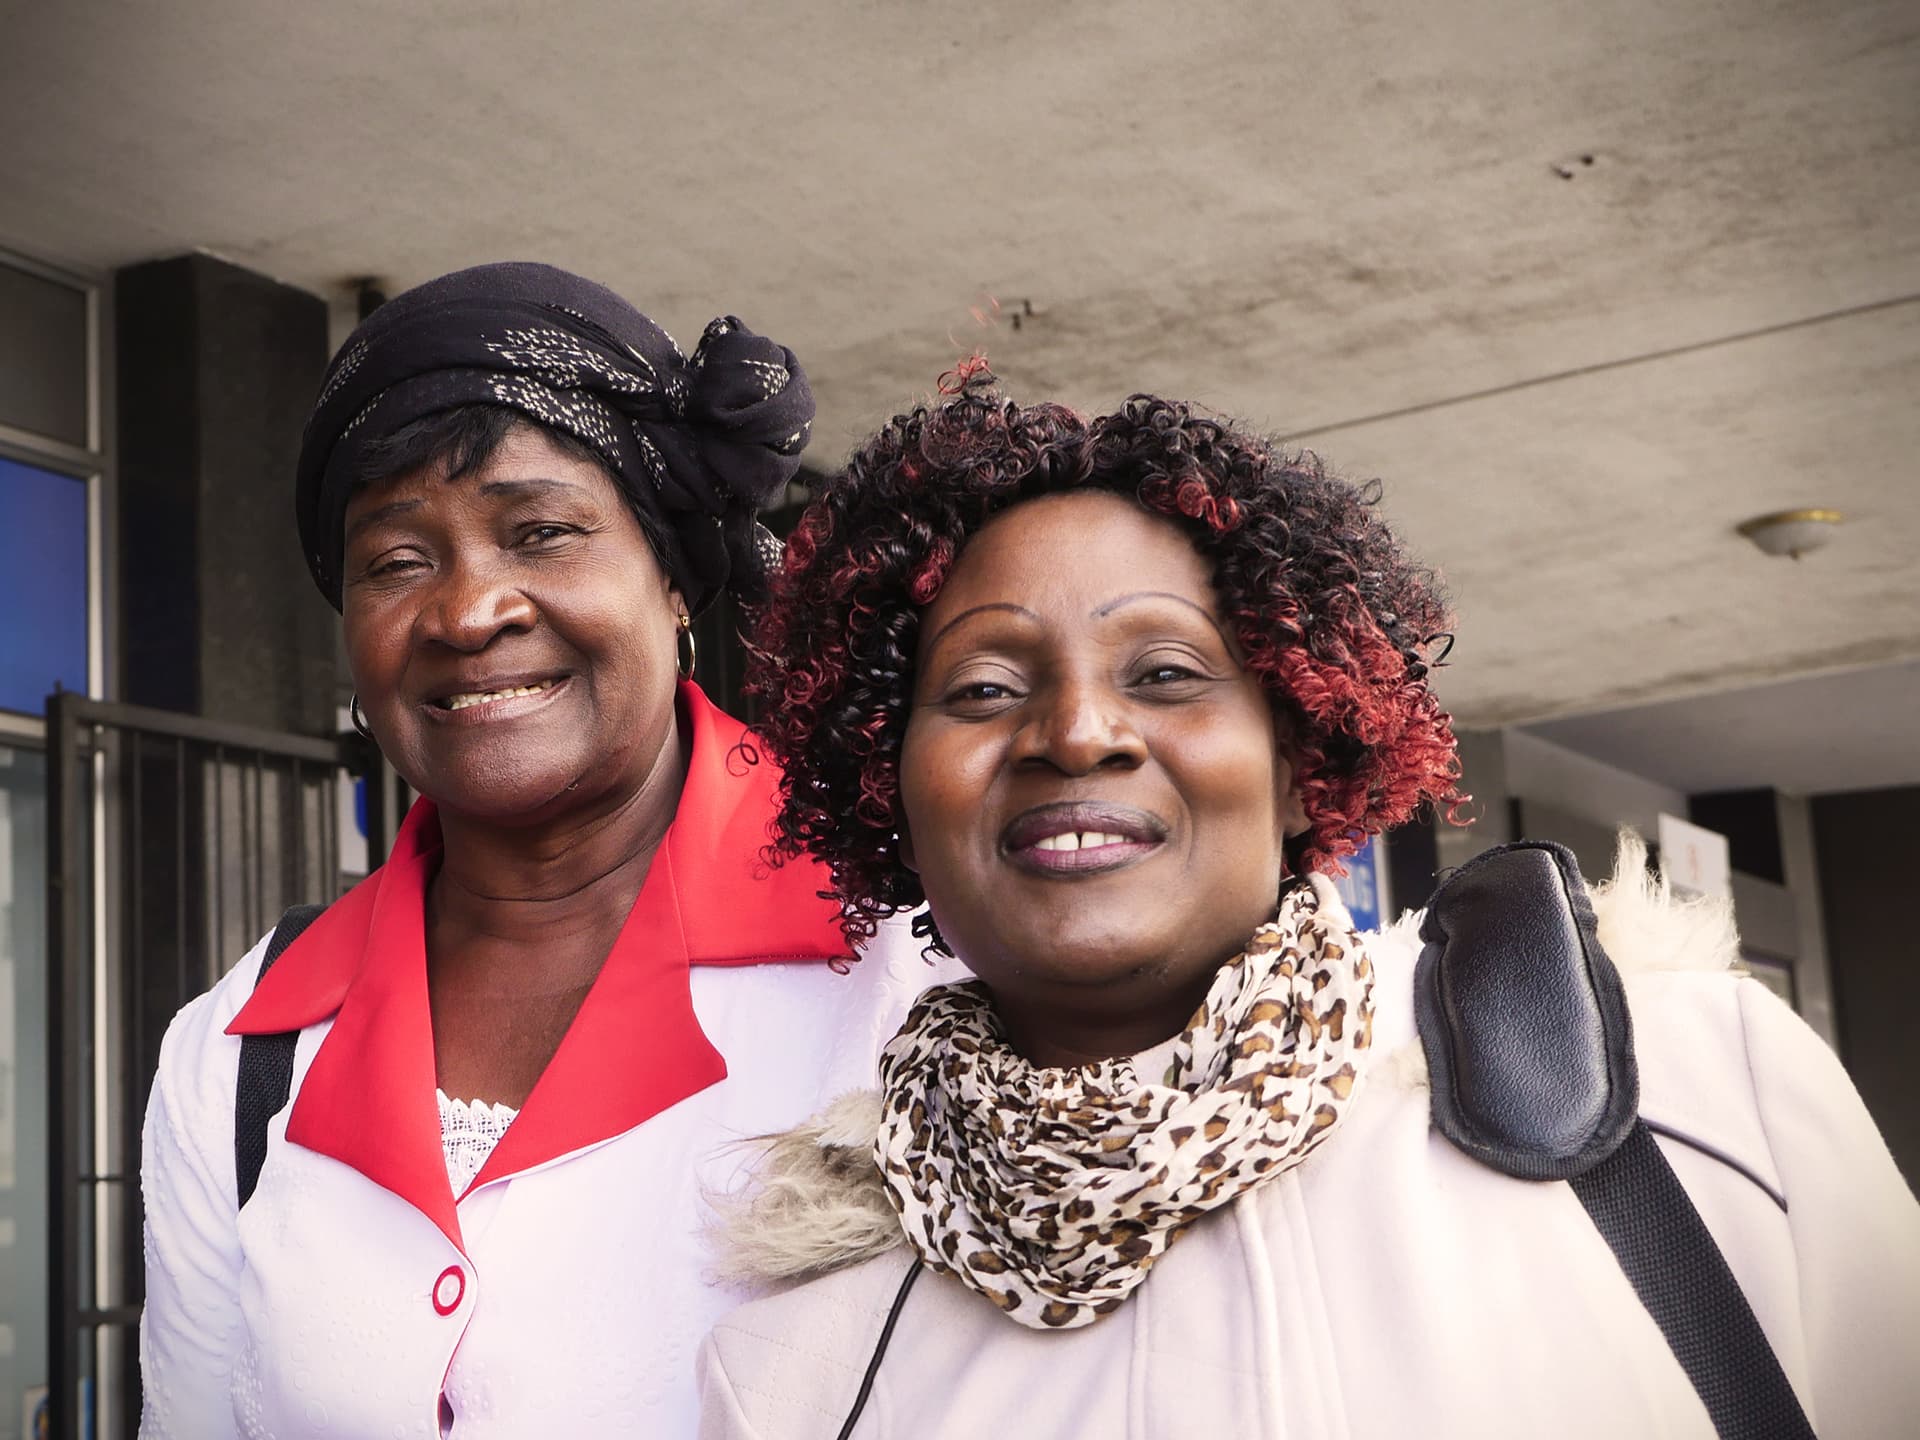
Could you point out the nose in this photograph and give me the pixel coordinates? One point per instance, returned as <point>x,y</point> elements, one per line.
<point>1078,726</point>
<point>472,603</point>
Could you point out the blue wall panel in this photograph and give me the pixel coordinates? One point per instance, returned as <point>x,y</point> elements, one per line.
<point>43,585</point>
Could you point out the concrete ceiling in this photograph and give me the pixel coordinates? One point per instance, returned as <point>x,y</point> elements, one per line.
<point>1852,730</point>
<point>1587,282</point>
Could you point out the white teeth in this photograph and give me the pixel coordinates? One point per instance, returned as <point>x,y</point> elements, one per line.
<point>461,702</point>
<point>1080,840</point>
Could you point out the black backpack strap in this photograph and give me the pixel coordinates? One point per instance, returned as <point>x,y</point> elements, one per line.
<point>1682,1278</point>
<point>1530,1050</point>
<point>266,1068</point>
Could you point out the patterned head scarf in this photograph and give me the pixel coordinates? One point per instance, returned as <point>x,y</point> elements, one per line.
<point>698,444</point>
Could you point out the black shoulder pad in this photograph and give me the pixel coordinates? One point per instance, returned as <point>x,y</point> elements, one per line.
<point>1522,1017</point>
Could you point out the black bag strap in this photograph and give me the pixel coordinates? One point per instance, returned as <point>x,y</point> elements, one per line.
<point>1639,1205</point>
<point>879,1350</point>
<point>1530,1050</point>
<point>266,1068</point>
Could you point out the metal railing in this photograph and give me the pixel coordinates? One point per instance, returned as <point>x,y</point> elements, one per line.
<point>174,843</point>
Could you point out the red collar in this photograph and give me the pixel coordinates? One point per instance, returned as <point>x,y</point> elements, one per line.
<point>634,1049</point>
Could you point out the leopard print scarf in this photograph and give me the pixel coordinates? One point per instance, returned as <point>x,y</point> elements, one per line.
<point>1053,1191</point>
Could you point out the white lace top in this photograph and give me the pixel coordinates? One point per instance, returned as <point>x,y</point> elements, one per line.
<point>469,1129</point>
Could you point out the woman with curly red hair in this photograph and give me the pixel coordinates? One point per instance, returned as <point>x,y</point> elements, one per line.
<point>1111,698</point>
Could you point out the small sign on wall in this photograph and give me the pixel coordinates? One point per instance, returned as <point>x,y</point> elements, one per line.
<point>1364,887</point>
<point>1694,858</point>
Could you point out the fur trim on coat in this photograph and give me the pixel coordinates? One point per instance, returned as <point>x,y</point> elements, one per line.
<point>813,1202</point>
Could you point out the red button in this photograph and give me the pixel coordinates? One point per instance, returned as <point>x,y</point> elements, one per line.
<point>449,1290</point>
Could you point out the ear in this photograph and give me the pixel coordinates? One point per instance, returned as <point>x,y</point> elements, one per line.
<point>1290,811</point>
<point>1293,810</point>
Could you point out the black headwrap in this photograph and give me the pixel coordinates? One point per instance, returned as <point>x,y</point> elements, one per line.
<point>699,444</point>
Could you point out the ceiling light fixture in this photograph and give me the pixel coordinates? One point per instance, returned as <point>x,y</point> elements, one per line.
<point>1791,532</point>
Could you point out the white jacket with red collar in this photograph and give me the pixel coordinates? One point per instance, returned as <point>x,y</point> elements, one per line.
<point>562,1293</point>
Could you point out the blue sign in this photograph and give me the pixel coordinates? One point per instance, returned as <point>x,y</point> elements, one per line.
<point>1364,886</point>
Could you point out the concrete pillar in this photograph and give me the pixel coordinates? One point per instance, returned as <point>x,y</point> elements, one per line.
<point>1800,872</point>
<point>217,367</point>
<point>1868,853</point>
<point>1483,775</point>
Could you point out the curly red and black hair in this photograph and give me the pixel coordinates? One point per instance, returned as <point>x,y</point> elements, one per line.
<point>1331,614</point>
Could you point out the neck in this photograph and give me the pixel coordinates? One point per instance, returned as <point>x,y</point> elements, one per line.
<point>1059,1037</point>
<point>541,902</point>
<point>1060,1024</point>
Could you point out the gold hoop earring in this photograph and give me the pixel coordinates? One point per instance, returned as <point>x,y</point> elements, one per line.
<point>686,657</point>
<point>358,718</point>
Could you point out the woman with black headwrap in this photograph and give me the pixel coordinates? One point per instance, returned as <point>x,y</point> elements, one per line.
<point>514,1044</point>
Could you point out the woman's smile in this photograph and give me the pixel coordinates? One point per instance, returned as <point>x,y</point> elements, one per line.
<point>1076,839</point>
<point>483,703</point>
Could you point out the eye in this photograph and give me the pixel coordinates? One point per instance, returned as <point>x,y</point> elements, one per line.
<point>979,698</point>
<point>389,566</point>
<point>545,533</point>
<point>1166,674</point>
<point>984,690</point>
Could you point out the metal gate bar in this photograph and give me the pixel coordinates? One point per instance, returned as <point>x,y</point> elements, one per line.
<point>147,790</point>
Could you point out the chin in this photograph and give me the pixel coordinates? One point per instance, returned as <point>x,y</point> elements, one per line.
<point>513,796</point>
<point>1082,952</point>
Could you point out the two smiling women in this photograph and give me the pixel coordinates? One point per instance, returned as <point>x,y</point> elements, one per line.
<point>1100,702</point>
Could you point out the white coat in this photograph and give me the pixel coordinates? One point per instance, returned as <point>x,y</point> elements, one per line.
<point>1389,1286</point>
<point>563,1293</point>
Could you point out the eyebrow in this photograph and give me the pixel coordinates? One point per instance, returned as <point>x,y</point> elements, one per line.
<point>537,485</point>
<point>1005,605</point>
<point>379,513</point>
<point>531,485</point>
<point>1100,612</point>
